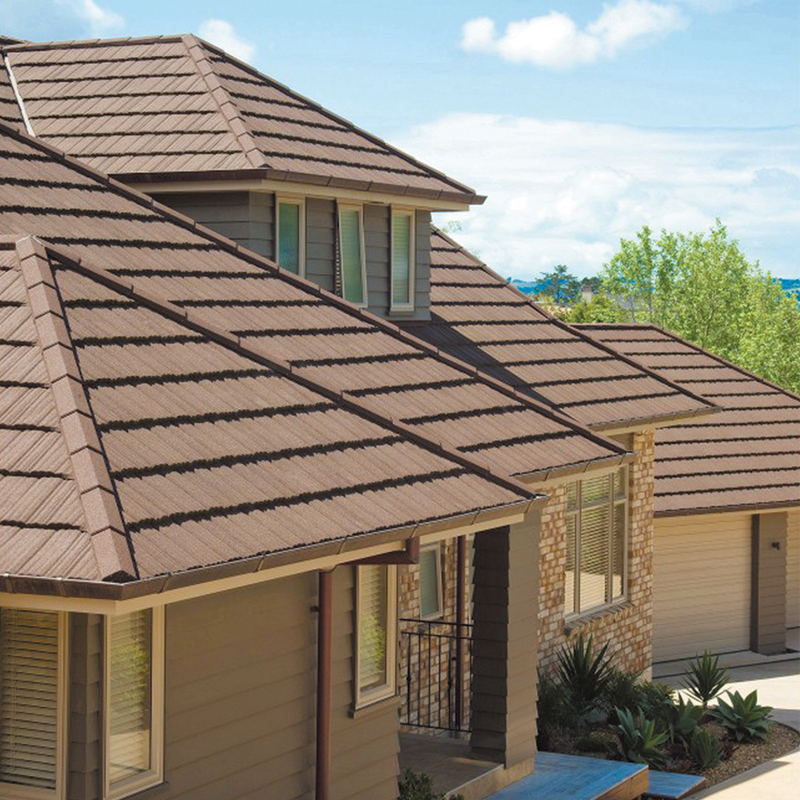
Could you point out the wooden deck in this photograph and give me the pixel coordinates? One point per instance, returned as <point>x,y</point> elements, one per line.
<point>561,777</point>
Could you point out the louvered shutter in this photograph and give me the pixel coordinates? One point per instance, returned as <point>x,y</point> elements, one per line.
<point>28,697</point>
<point>130,695</point>
<point>351,256</point>
<point>289,236</point>
<point>401,258</point>
<point>430,594</point>
<point>373,613</point>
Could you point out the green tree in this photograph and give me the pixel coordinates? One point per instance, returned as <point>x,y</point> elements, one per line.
<point>560,285</point>
<point>702,287</point>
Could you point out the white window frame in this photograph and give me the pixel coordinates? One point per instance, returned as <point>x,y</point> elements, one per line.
<point>300,202</point>
<point>612,503</point>
<point>359,209</point>
<point>389,689</point>
<point>14,791</point>
<point>155,775</point>
<point>412,261</point>
<point>439,612</point>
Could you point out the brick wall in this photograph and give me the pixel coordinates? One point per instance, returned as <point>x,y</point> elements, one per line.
<point>627,628</point>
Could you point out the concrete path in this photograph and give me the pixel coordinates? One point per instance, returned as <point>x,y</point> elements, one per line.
<point>778,685</point>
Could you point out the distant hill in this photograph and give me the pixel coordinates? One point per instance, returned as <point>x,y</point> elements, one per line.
<point>529,287</point>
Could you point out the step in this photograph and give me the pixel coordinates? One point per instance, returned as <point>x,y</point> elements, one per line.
<point>673,785</point>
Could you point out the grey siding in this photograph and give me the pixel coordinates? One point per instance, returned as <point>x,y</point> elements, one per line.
<point>321,242</point>
<point>364,760</point>
<point>505,614</point>
<point>768,590</point>
<point>377,239</point>
<point>85,717</point>
<point>422,304</point>
<point>248,218</point>
<point>240,691</point>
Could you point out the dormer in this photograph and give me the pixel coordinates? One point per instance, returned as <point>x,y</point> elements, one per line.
<point>213,138</point>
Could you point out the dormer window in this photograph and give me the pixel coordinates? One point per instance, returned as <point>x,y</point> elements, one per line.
<point>351,254</point>
<point>402,260</point>
<point>290,234</point>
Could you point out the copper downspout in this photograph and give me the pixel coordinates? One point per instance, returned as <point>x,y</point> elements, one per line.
<point>461,600</point>
<point>324,686</point>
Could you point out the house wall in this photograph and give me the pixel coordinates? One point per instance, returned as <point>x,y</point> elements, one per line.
<point>626,628</point>
<point>248,218</point>
<point>793,569</point>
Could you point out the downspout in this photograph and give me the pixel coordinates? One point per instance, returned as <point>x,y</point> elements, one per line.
<point>461,600</point>
<point>323,755</point>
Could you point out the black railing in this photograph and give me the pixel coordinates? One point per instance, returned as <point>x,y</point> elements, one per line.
<point>436,670</point>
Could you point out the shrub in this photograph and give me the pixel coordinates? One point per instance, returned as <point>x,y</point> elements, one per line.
<point>595,743</point>
<point>419,786</point>
<point>706,678</point>
<point>704,750</point>
<point>583,676</point>
<point>639,740</point>
<point>622,690</point>
<point>743,718</point>
<point>684,719</point>
<point>656,702</point>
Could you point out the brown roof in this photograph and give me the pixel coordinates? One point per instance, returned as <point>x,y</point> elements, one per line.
<point>146,372</point>
<point>178,107</point>
<point>481,318</point>
<point>747,456</point>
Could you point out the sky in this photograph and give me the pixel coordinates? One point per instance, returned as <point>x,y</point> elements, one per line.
<point>581,121</point>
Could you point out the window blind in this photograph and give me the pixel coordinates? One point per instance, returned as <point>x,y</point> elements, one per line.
<point>28,697</point>
<point>401,259</point>
<point>593,556</point>
<point>130,695</point>
<point>373,620</point>
<point>289,236</point>
<point>351,256</point>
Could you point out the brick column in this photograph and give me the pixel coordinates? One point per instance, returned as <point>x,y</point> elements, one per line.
<point>504,644</point>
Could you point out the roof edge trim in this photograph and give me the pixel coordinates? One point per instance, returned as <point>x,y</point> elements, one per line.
<point>755,507</point>
<point>17,96</point>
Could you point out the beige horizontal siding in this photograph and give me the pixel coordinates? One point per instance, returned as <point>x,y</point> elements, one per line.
<point>793,570</point>
<point>701,585</point>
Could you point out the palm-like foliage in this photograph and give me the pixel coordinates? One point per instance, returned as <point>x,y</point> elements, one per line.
<point>744,719</point>
<point>583,676</point>
<point>639,740</point>
<point>706,678</point>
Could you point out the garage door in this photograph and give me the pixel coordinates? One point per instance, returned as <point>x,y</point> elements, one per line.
<point>701,585</point>
<point>793,570</point>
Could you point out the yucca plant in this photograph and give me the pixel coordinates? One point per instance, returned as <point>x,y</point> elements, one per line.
<point>639,740</point>
<point>743,718</point>
<point>684,719</point>
<point>583,676</point>
<point>704,750</point>
<point>705,679</point>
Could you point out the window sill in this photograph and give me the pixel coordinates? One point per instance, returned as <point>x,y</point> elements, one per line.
<point>377,706</point>
<point>576,621</point>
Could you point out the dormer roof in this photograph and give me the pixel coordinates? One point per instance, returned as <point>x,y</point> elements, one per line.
<point>177,108</point>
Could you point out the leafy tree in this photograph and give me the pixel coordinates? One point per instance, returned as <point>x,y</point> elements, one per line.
<point>702,287</point>
<point>560,285</point>
<point>601,308</point>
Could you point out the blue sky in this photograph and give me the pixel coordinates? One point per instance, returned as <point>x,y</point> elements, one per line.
<point>581,121</point>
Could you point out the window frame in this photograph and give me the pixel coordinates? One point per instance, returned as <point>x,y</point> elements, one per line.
<point>300,202</point>
<point>155,775</point>
<point>359,209</point>
<point>611,503</point>
<point>408,305</point>
<point>389,689</point>
<point>437,550</point>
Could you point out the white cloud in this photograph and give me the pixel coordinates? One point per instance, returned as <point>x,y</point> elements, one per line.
<point>100,21</point>
<point>222,34</point>
<point>566,192</point>
<point>553,40</point>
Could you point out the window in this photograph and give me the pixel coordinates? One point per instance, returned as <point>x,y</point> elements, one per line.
<point>402,260</point>
<point>597,512</point>
<point>134,701</point>
<point>290,234</point>
<point>351,254</point>
<point>32,707</point>
<point>376,633</point>
<point>430,582</point>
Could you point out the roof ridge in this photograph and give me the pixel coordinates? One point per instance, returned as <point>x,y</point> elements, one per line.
<point>69,43</point>
<point>96,490</point>
<point>312,288</point>
<point>711,407</point>
<point>256,352</point>
<point>462,187</point>
<point>697,347</point>
<point>219,94</point>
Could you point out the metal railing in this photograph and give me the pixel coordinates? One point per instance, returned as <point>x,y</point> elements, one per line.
<point>436,670</point>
